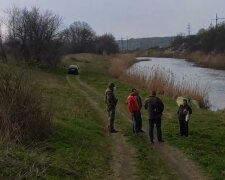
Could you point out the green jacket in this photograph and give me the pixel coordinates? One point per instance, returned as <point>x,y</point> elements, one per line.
<point>110,99</point>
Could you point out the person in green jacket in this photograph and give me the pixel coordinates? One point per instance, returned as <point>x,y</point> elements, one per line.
<point>111,102</point>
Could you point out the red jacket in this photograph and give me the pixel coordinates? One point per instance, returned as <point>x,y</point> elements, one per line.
<point>132,103</point>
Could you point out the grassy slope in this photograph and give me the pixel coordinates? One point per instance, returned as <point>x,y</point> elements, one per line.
<point>149,162</point>
<point>205,144</point>
<point>78,147</point>
<point>79,138</point>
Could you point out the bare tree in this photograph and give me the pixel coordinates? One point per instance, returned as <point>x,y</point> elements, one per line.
<point>107,44</point>
<point>33,35</point>
<point>80,37</point>
<point>2,50</point>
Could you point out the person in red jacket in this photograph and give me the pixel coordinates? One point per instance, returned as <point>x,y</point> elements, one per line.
<point>133,107</point>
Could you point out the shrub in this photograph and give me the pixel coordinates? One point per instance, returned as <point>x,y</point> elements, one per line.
<point>22,113</point>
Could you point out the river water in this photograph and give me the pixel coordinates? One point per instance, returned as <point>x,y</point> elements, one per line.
<point>213,80</point>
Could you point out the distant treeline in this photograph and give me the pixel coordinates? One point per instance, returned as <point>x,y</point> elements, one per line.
<point>39,37</point>
<point>206,40</point>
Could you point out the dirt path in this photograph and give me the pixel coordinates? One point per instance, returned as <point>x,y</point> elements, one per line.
<point>185,168</point>
<point>123,155</point>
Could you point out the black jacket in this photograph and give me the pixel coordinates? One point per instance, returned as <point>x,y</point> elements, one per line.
<point>182,112</point>
<point>149,105</point>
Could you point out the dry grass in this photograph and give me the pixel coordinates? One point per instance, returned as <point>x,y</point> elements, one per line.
<point>120,64</point>
<point>22,116</point>
<point>161,80</point>
<point>211,60</point>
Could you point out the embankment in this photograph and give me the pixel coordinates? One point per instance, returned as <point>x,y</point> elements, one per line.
<point>209,60</point>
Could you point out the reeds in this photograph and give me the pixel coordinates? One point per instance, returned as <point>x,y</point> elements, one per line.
<point>22,114</point>
<point>159,79</point>
<point>211,59</point>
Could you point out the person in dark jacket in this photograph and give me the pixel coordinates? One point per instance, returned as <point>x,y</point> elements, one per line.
<point>139,118</point>
<point>155,108</point>
<point>111,102</point>
<point>183,113</point>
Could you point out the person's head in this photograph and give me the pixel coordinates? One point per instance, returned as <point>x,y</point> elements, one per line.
<point>134,91</point>
<point>184,101</point>
<point>111,85</point>
<point>153,93</point>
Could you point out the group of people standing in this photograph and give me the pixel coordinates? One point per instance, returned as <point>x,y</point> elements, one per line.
<point>154,107</point>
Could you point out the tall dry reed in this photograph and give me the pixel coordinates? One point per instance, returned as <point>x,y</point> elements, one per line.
<point>159,79</point>
<point>22,114</point>
<point>211,59</point>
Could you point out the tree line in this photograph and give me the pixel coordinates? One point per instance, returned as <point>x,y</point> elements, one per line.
<point>207,40</point>
<point>39,37</point>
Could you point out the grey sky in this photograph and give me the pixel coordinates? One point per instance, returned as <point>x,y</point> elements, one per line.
<point>131,18</point>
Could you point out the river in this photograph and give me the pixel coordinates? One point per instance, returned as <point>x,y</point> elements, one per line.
<point>213,80</point>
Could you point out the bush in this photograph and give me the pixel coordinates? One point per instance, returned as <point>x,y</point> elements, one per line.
<point>22,116</point>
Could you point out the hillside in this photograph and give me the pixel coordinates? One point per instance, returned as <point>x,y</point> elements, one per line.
<point>144,43</point>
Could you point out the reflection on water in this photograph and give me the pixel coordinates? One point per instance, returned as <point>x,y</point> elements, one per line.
<point>213,79</point>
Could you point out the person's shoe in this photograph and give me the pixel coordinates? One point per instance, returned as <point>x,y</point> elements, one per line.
<point>141,131</point>
<point>113,131</point>
<point>161,141</point>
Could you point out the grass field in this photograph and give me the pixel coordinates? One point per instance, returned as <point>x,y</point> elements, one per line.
<point>75,148</point>
<point>205,144</point>
<point>80,147</point>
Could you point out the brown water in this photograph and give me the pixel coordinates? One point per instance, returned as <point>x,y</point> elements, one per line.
<point>213,79</point>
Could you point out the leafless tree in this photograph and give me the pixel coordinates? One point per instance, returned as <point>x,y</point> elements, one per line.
<point>80,37</point>
<point>2,50</point>
<point>107,44</point>
<point>33,35</point>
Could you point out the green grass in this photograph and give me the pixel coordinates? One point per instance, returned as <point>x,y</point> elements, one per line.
<point>206,141</point>
<point>149,164</point>
<point>78,147</point>
<point>205,145</point>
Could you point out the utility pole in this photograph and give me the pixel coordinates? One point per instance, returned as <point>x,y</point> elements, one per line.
<point>189,29</point>
<point>217,18</point>
<point>127,44</point>
<point>121,43</point>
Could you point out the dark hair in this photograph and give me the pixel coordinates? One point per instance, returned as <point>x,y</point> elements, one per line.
<point>185,100</point>
<point>153,93</point>
<point>133,90</point>
<point>111,84</point>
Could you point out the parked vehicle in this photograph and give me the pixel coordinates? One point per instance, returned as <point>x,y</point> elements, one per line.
<point>73,69</point>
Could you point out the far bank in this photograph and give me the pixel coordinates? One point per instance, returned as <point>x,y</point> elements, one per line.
<point>209,60</point>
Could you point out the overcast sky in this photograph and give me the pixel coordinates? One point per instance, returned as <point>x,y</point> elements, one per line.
<point>131,18</point>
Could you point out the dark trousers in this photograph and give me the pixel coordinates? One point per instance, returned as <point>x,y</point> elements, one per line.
<point>139,121</point>
<point>135,116</point>
<point>111,118</point>
<point>183,127</point>
<point>152,123</point>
